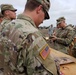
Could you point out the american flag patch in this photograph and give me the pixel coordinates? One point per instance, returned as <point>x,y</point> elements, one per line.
<point>45,52</point>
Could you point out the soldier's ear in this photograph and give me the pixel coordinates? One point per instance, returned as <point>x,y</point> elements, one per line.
<point>6,12</point>
<point>38,9</point>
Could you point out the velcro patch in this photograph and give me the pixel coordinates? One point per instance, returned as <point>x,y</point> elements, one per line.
<point>45,52</point>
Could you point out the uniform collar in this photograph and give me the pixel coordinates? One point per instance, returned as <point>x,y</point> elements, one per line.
<point>22,16</point>
<point>5,21</point>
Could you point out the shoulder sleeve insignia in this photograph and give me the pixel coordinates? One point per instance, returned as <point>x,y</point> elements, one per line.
<point>45,52</point>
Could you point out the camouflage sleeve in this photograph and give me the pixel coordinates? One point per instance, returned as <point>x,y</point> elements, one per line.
<point>69,37</point>
<point>25,58</point>
<point>22,40</point>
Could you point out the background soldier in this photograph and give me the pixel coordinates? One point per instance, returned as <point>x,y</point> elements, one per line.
<point>33,51</point>
<point>8,11</point>
<point>50,30</point>
<point>64,36</point>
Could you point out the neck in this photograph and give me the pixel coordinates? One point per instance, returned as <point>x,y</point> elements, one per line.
<point>32,15</point>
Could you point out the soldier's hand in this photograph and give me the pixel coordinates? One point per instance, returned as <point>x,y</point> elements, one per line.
<point>54,38</point>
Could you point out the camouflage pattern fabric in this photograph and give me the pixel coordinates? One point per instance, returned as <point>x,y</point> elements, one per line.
<point>72,48</point>
<point>4,24</point>
<point>29,47</point>
<point>5,53</point>
<point>7,56</point>
<point>74,51</point>
<point>7,7</point>
<point>65,37</point>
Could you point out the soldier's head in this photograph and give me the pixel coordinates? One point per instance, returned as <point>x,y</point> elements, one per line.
<point>1,17</point>
<point>8,10</point>
<point>40,9</point>
<point>61,22</point>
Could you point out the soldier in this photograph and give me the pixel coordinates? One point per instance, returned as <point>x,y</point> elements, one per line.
<point>72,47</point>
<point>50,30</point>
<point>33,51</point>
<point>50,41</point>
<point>64,36</point>
<point>8,11</point>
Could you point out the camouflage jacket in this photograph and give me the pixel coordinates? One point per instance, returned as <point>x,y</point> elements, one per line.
<point>5,53</point>
<point>32,51</point>
<point>64,38</point>
<point>4,24</point>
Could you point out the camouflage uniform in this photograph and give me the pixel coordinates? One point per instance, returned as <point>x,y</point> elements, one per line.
<point>26,52</point>
<point>31,47</point>
<point>72,47</point>
<point>64,38</point>
<point>4,23</point>
<point>7,56</point>
<point>74,50</point>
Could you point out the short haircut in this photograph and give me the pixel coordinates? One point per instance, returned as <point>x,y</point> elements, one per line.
<point>31,5</point>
